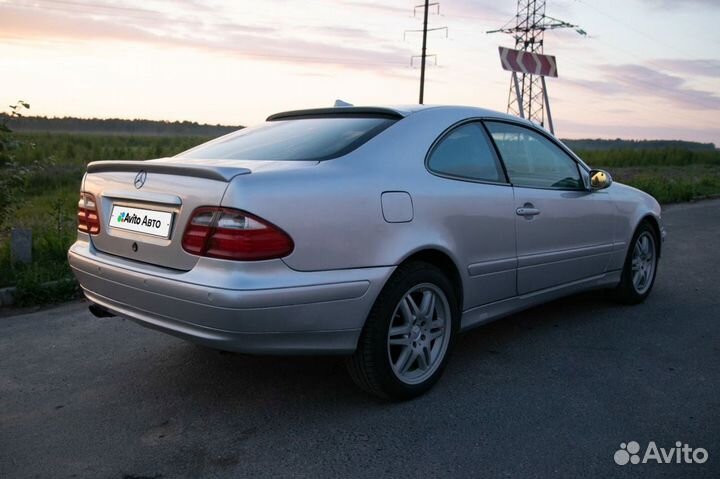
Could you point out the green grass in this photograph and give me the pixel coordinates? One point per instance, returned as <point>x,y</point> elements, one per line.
<point>671,175</point>
<point>648,158</point>
<point>672,184</point>
<point>48,204</point>
<point>69,154</point>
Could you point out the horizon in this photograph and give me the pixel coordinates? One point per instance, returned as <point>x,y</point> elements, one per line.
<point>212,62</point>
<point>222,125</point>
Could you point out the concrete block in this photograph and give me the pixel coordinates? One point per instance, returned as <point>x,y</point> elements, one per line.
<point>21,245</point>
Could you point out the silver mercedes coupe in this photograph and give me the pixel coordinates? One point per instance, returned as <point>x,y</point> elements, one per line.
<point>376,233</point>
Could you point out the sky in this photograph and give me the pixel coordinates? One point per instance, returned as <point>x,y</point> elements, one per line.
<point>647,69</point>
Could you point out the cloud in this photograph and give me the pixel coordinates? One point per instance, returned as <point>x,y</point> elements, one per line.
<point>705,67</point>
<point>639,80</point>
<point>342,32</point>
<point>214,34</point>
<point>490,11</point>
<point>596,86</point>
<point>674,4</point>
<point>16,23</point>
<point>379,7</point>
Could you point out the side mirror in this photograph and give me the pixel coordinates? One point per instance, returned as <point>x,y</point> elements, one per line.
<point>600,179</point>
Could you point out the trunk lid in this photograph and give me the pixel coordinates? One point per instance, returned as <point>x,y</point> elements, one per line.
<point>168,189</point>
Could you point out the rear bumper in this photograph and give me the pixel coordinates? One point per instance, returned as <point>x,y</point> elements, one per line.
<point>263,307</point>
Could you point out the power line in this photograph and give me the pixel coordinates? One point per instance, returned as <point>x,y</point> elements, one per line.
<point>634,29</point>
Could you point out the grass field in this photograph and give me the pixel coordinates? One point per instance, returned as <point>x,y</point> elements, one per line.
<point>49,200</point>
<point>48,203</point>
<point>671,175</point>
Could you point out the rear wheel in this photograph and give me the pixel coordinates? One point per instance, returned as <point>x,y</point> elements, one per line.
<point>638,276</point>
<point>408,335</point>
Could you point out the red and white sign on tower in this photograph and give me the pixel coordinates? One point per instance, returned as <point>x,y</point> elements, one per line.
<point>530,63</point>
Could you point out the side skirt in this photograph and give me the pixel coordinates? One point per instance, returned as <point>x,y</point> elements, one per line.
<point>492,311</point>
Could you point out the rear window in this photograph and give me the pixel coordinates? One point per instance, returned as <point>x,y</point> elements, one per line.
<point>297,139</point>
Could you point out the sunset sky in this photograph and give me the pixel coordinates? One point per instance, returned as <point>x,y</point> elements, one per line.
<point>647,68</point>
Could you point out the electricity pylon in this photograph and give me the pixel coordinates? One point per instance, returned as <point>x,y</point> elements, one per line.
<point>529,32</point>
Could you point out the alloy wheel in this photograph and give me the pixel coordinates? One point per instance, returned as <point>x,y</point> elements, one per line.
<point>419,333</point>
<point>643,262</point>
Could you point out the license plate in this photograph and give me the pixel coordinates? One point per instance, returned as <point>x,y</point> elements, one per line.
<point>140,220</point>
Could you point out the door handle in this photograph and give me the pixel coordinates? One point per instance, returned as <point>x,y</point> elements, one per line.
<point>527,211</point>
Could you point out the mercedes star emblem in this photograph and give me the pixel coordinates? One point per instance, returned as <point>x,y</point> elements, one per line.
<point>140,179</point>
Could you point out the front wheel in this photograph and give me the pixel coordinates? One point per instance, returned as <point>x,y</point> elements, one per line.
<point>638,276</point>
<point>408,335</point>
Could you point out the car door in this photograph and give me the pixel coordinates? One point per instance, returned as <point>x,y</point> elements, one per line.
<point>564,231</point>
<point>474,201</point>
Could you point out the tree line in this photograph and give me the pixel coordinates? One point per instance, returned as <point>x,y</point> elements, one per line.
<point>114,126</point>
<point>619,144</point>
<point>118,126</point>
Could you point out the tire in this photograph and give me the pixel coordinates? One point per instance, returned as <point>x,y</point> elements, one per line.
<point>630,290</point>
<point>420,304</point>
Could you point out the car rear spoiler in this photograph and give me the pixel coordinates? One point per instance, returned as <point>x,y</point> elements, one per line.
<point>338,112</point>
<point>220,173</point>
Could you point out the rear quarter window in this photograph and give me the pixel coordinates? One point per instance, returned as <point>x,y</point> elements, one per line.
<point>465,152</point>
<point>299,139</point>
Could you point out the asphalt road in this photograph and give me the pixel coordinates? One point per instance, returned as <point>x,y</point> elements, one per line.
<point>549,392</point>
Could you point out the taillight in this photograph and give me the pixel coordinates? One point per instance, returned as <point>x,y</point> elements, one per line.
<point>88,216</point>
<point>228,233</point>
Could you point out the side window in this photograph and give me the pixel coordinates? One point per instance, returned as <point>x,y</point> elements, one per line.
<point>466,152</point>
<point>533,160</point>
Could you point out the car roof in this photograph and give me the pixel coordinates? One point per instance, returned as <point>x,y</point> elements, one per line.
<point>395,111</point>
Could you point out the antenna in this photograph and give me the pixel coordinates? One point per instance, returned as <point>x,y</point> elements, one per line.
<point>423,56</point>
<point>527,97</point>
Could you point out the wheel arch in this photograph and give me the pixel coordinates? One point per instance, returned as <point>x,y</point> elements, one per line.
<point>443,261</point>
<point>655,225</point>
